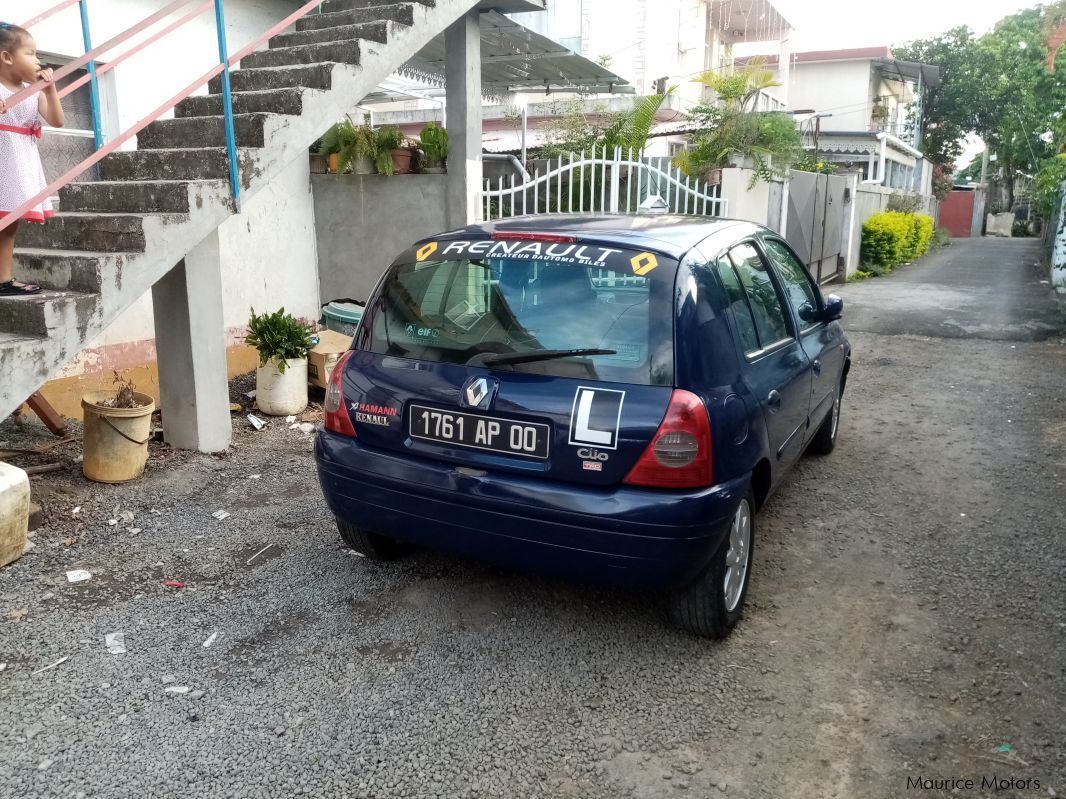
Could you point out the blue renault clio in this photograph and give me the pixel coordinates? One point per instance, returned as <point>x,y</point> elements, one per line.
<point>605,398</point>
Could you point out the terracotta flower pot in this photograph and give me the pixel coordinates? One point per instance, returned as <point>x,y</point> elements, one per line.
<point>401,161</point>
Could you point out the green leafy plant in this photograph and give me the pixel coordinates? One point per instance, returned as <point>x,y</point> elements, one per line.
<point>435,144</point>
<point>806,163</point>
<point>349,143</point>
<point>1021,229</point>
<point>386,140</point>
<point>279,337</point>
<point>732,131</point>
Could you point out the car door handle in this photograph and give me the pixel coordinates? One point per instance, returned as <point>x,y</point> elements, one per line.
<point>773,400</point>
<point>817,366</point>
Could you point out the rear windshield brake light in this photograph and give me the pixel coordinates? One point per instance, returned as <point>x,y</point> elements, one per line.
<point>554,238</point>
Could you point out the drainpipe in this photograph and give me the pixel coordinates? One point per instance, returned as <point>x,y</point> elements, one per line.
<point>516,165</point>
<point>882,163</point>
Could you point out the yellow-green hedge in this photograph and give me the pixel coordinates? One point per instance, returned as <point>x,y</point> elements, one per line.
<point>890,238</point>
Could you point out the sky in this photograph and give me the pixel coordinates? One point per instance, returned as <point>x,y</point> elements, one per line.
<point>836,24</point>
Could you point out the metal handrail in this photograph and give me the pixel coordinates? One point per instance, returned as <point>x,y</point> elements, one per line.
<point>50,12</point>
<point>106,67</point>
<point>110,44</point>
<point>13,216</point>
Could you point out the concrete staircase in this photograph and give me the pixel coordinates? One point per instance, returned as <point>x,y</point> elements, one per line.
<point>114,239</point>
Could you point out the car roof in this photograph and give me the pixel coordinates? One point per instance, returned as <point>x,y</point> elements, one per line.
<point>672,235</point>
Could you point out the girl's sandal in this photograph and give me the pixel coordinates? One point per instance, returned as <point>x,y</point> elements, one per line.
<point>16,288</point>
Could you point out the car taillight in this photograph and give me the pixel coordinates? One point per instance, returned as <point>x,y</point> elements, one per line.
<point>337,418</point>
<point>679,455</point>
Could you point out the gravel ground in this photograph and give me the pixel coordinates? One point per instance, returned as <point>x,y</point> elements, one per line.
<point>906,620</point>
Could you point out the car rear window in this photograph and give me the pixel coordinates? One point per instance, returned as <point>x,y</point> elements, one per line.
<point>531,300</point>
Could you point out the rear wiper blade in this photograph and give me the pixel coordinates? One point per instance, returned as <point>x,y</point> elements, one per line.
<point>513,359</point>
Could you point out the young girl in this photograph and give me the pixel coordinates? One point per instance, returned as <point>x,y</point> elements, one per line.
<point>21,175</point>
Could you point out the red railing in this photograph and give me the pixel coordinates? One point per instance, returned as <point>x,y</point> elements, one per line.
<point>13,216</point>
<point>46,14</point>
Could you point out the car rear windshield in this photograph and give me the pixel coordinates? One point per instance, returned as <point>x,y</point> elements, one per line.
<point>542,300</point>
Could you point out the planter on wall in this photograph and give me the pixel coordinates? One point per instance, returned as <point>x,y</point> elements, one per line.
<point>363,166</point>
<point>319,164</point>
<point>401,161</point>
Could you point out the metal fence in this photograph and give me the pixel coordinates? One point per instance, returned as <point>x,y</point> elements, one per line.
<point>619,182</point>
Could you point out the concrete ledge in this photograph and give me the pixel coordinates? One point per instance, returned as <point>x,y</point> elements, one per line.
<point>14,512</point>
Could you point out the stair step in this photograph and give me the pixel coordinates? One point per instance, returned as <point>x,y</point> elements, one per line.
<point>90,232</point>
<point>335,52</point>
<point>331,6</point>
<point>36,315</point>
<point>198,132</point>
<point>313,76</point>
<point>69,270</point>
<point>114,196</point>
<point>273,101</point>
<point>404,13</point>
<point>373,31</point>
<point>207,163</point>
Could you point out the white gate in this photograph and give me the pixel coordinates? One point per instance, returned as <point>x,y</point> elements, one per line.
<point>602,182</point>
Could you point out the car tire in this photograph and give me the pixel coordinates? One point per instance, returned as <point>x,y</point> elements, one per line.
<point>825,440</point>
<point>710,606</point>
<point>371,545</point>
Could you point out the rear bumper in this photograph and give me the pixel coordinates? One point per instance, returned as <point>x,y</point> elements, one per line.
<point>627,536</point>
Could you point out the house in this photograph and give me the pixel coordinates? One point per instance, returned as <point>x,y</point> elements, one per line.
<point>859,109</point>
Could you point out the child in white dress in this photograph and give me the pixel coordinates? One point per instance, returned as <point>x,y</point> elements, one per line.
<point>21,175</point>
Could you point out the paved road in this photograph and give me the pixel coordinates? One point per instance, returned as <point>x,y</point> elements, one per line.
<point>907,619</point>
<point>983,288</point>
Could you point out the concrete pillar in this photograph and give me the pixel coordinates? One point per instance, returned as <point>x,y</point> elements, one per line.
<point>191,352</point>
<point>462,42</point>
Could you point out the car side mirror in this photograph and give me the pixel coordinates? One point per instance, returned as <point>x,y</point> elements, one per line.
<point>834,308</point>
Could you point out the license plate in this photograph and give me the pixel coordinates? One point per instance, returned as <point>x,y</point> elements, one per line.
<point>486,433</point>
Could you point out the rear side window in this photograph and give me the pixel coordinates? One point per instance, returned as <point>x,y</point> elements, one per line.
<point>451,311</point>
<point>738,306</point>
<point>797,285</point>
<point>761,294</point>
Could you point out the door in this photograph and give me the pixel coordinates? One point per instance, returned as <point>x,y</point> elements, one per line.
<point>821,341</point>
<point>778,372</point>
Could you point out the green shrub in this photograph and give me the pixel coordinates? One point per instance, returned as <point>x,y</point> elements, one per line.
<point>1020,229</point>
<point>890,238</point>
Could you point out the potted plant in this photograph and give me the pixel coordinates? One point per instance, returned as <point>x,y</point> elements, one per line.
<point>435,146</point>
<point>319,163</point>
<point>118,425</point>
<point>393,155</point>
<point>283,343</point>
<point>349,147</point>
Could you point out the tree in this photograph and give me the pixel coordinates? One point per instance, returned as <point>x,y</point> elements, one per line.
<point>733,130</point>
<point>997,86</point>
<point>948,110</point>
<point>1055,32</point>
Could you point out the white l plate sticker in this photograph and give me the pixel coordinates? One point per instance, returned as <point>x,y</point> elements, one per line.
<point>596,417</point>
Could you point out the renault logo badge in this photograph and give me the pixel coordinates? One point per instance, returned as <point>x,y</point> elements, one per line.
<point>477,393</point>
